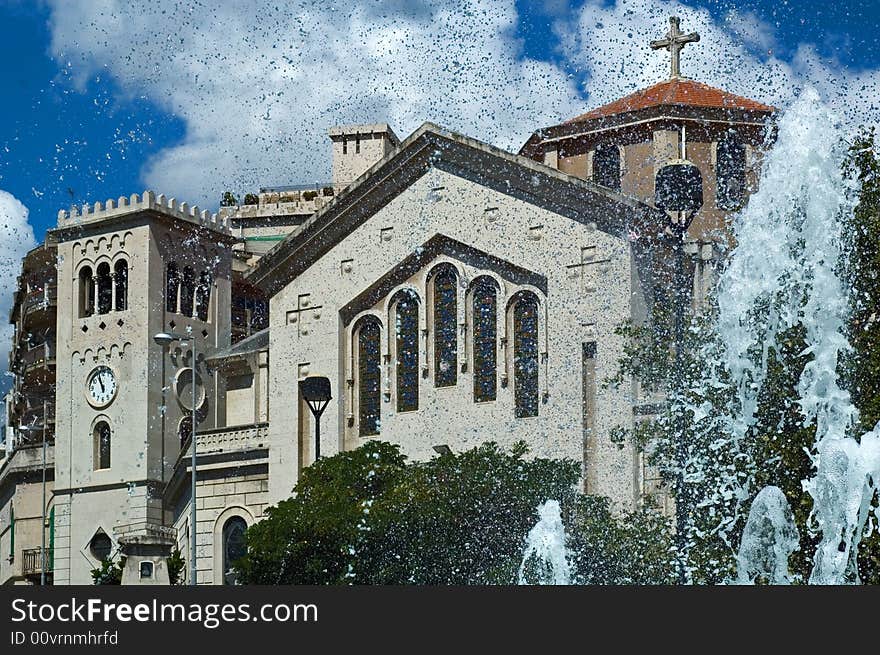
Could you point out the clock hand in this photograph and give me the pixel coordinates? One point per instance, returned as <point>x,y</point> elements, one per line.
<point>101,382</point>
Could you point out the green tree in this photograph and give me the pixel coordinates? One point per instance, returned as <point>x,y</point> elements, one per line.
<point>228,199</point>
<point>109,572</point>
<point>369,517</point>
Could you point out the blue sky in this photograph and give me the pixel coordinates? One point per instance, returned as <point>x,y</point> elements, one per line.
<point>81,121</point>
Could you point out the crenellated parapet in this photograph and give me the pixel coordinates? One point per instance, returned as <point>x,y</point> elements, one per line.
<point>149,201</point>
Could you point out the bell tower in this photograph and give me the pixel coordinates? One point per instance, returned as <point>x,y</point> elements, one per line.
<point>128,269</point>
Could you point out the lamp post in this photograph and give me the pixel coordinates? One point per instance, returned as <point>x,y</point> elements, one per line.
<point>678,190</point>
<point>165,339</point>
<point>315,391</point>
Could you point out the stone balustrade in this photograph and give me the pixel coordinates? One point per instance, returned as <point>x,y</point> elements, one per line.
<point>237,437</point>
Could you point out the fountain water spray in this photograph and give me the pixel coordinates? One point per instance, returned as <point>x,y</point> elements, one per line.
<point>545,560</point>
<point>782,273</point>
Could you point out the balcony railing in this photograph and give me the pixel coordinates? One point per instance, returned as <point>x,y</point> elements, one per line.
<point>43,353</point>
<point>41,298</point>
<point>32,561</point>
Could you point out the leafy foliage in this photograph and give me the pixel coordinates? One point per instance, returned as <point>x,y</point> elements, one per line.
<point>175,565</point>
<point>109,573</point>
<point>369,517</point>
<point>228,199</point>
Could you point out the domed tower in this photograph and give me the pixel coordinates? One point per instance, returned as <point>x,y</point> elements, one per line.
<point>625,144</point>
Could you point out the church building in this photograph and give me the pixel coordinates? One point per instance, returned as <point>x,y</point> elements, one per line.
<point>438,293</point>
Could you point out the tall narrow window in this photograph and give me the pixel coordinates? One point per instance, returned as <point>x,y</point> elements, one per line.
<point>369,374</point>
<point>485,331</point>
<point>172,286</point>
<point>730,172</point>
<point>445,328</point>
<point>86,292</point>
<point>120,279</point>
<point>525,355</point>
<point>406,311</point>
<point>187,291</point>
<point>234,547</point>
<point>203,296</point>
<point>606,166</point>
<point>102,445</point>
<point>105,288</point>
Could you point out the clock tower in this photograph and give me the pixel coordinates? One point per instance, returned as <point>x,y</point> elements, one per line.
<point>128,269</point>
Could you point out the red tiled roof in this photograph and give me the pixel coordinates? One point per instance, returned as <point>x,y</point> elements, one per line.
<point>676,91</point>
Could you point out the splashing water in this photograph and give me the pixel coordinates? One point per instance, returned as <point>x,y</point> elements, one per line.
<point>769,538</point>
<point>782,273</point>
<point>545,559</point>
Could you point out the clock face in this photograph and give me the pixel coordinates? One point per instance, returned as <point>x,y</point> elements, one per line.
<point>101,386</point>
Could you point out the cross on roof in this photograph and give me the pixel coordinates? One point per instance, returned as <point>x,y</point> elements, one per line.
<point>674,42</point>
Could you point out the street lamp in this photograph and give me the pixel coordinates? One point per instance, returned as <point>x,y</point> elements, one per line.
<point>165,339</point>
<point>315,391</point>
<point>678,190</point>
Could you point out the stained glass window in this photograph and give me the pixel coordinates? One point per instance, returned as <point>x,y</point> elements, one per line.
<point>369,377</point>
<point>406,311</point>
<point>525,356</point>
<point>445,328</point>
<point>485,329</point>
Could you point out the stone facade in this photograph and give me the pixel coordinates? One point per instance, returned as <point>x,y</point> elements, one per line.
<point>380,281</point>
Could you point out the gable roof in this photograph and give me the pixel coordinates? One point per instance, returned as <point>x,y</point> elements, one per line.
<point>433,146</point>
<point>676,91</point>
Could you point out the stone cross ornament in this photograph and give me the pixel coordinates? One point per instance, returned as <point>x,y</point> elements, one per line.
<point>674,42</point>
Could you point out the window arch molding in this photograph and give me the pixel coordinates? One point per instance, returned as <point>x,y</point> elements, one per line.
<point>484,341</point>
<point>404,345</point>
<point>526,354</point>
<point>231,512</point>
<point>449,275</point>
<point>378,387</point>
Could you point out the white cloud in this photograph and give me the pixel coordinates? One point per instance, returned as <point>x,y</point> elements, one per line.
<point>610,44</point>
<point>16,238</point>
<point>259,83</point>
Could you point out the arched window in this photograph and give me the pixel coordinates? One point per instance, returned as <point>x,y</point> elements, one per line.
<point>369,376</point>
<point>105,288</point>
<point>203,296</point>
<point>86,292</point>
<point>234,546</point>
<point>445,328</point>
<point>101,437</point>
<point>730,172</point>
<point>172,287</point>
<point>120,279</point>
<point>525,355</point>
<point>484,313</point>
<point>187,291</point>
<point>606,166</point>
<point>406,320</point>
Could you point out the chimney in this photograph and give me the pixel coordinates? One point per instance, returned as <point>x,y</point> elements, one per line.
<point>356,148</point>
